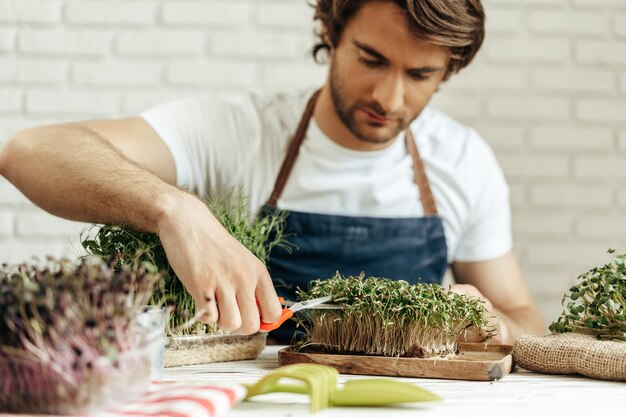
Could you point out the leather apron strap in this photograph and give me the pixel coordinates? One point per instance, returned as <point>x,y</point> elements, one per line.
<point>426,195</point>
<point>292,152</point>
<point>419,173</point>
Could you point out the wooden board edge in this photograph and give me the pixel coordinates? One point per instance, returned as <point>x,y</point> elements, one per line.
<point>404,367</point>
<point>485,347</point>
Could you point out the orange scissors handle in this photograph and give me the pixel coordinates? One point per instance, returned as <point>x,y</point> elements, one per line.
<point>286,315</point>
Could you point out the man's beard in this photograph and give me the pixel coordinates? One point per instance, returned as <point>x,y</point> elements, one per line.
<point>347,113</point>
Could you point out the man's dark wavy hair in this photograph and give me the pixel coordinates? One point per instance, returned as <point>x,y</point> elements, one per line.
<point>458,25</point>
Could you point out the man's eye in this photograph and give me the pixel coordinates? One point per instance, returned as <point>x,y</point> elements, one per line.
<point>418,76</point>
<point>370,62</point>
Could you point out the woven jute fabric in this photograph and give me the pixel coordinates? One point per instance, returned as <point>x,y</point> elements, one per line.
<point>572,353</point>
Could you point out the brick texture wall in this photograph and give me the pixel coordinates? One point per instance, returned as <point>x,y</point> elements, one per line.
<point>547,91</point>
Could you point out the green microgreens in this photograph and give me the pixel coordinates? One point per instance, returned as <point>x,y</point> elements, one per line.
<point>58,321</point>
<point>391,318</point>
<point>596,305</point>
<point>231,210</point>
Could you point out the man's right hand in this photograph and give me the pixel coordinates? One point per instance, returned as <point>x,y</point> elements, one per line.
<point>221,275</point>
<point>126,175</point>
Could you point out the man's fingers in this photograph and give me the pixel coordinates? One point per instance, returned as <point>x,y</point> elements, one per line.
<point>228,311</point>
<point>250,320</point>
<point>472,334</point>
<point>471,291</point>
<point>462,289</point>
<point>269,305</point>
<point>209,302</point>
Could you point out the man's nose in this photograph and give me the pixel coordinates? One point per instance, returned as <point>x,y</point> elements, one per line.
<point>389,93</point>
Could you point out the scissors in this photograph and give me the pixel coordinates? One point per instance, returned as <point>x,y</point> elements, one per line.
<point>292,307</point>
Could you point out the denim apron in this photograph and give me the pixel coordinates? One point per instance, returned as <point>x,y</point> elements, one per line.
<point>412,249</point>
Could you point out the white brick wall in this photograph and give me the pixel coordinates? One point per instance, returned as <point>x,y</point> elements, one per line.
<point>63,42</point>
<point>30,11</point>
<point>223,13</point>
<point>548,92</point>
<point>115,12</point>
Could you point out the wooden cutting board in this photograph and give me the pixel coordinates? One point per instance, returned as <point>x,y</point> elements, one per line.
<point>474,362</point>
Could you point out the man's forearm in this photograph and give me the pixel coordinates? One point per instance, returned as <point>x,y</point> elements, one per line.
<point>72,172</point>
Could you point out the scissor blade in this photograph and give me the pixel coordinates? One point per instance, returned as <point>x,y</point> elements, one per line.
<point>327,307</point>
<point>317,307</point>
<point>313,303</point>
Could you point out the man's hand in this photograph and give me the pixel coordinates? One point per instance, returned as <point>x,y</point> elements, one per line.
<point>221,275</point>
<point>495,317</point>
<point>500,284</point>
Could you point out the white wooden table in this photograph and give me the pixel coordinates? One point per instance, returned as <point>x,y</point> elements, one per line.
<point>520,393</point>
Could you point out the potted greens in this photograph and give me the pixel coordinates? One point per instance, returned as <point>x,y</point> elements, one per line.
<point>588,337</point>
<point>596,304</point>
<point>69,342</point>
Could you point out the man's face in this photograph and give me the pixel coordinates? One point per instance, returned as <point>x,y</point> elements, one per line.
<point>381,75</point>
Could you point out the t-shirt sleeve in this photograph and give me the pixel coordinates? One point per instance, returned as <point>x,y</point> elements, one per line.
<point>208,137</point>
<point>487,233</point>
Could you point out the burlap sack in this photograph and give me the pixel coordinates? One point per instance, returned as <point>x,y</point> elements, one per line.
<point>571,353</point>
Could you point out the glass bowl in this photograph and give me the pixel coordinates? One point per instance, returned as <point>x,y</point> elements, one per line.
<point>55,386</point>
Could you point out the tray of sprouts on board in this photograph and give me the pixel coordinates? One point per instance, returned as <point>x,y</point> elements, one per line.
<point>393,328</point>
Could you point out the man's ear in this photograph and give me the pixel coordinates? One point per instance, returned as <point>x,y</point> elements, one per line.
<point>326,38</point>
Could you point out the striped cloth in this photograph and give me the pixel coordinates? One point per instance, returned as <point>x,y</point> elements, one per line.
<point>172,399</point>
<point>166,399</point>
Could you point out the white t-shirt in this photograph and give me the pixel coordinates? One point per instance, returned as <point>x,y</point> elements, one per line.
<point>221,142</point>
